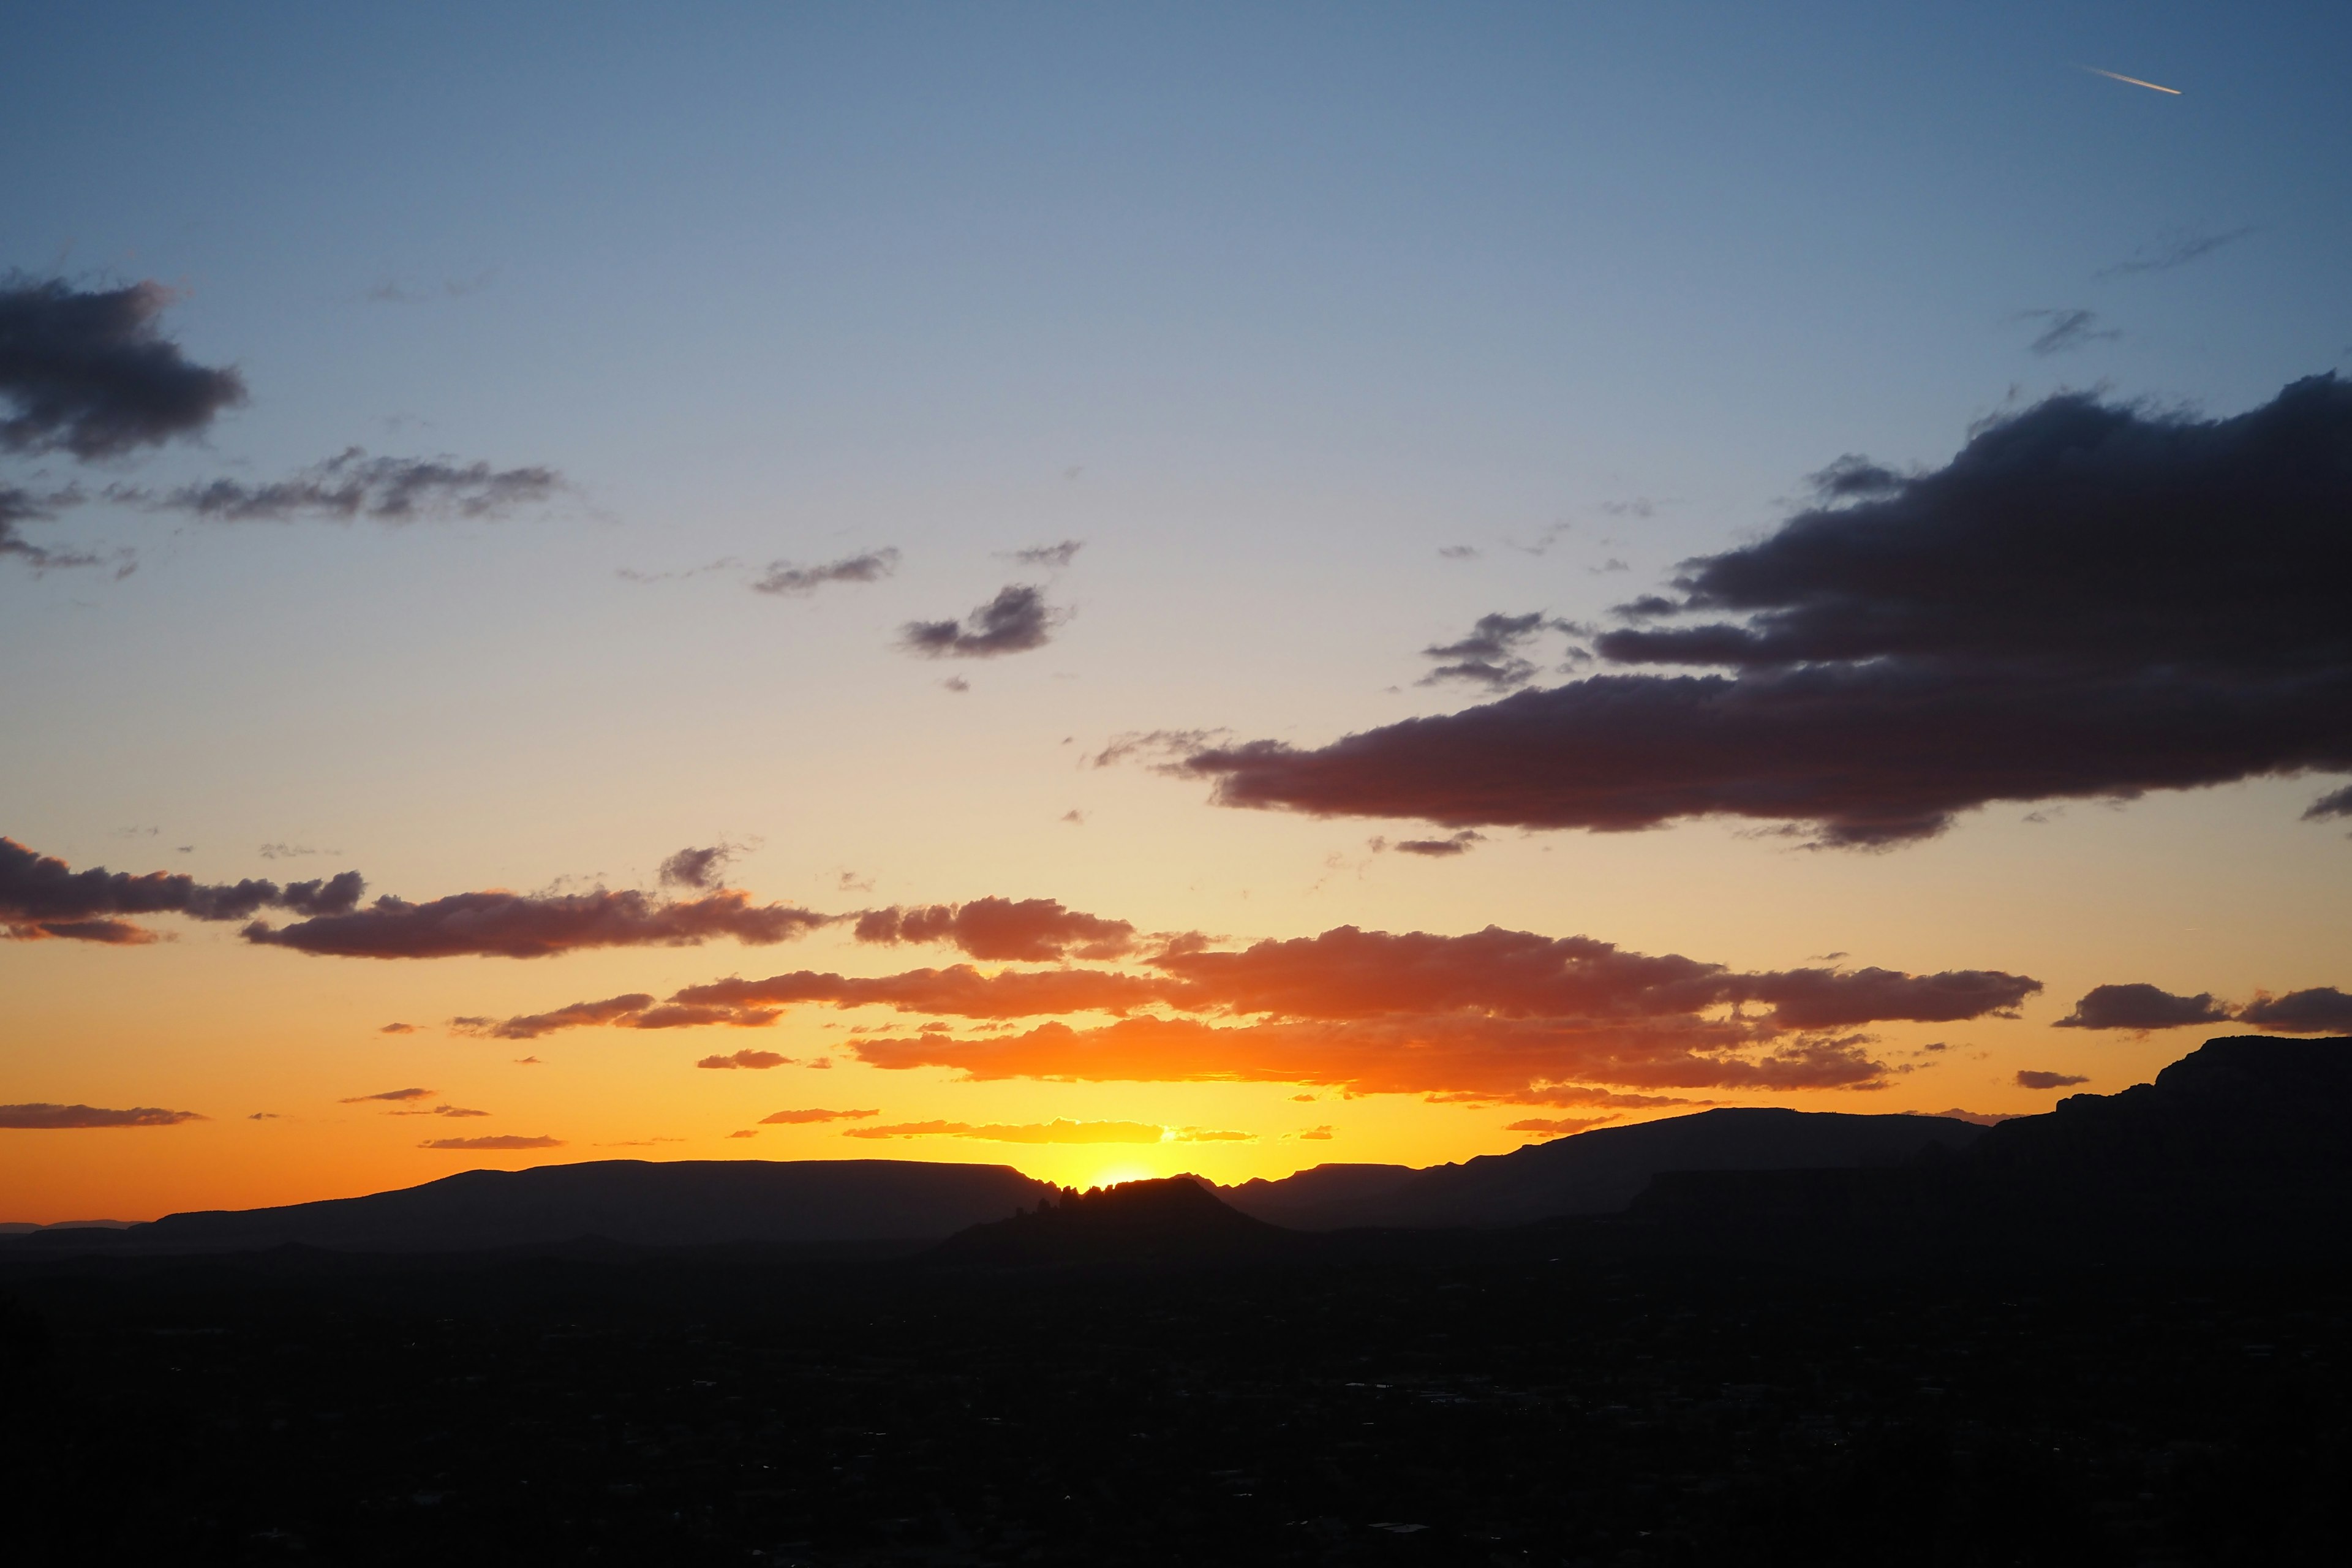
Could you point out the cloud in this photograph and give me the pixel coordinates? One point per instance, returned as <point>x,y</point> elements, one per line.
<point>397,1030</point>
<point>441,1110</point>
<point>782,577</point>
<point>958,991</point>
<point>699,868</point>
<point>352,484</point>
<point>757,1060</point>
<point>2322,1010</point>
<point>1209,1135</point>
<point>2067,329</point>
<point>1058,1131</point>
<point>392,1094</point>
<point>1458,551</point>
<point>2140,1008</point>
<point>496,1140</point>
<point>2176,249</point>
<point>795,1118</point>
<point>1439,848</point>
<point>88,372</point>
<point>59,1117</point>
<point>2029,1079</point>
<point>2337,803</point>
<point>745,1133</point>
<point>1060,554</point>
<point>2089,601</point>
<point>1314,1134</point>
<point>41,896</point>
<point>525,925</point>
<point>19,506</point>
<point>1030,930</point>
<point>579,1015</point>
<point>1016,621</point>
<point>1556,1127</point>
<point>1490,656</point>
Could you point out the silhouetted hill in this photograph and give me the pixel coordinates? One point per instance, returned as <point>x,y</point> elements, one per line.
<point>1299,1200</point>
<point>1599,1172</point>
<point>681,1203</point>
<point>1174,1219</point>
<point>2242,1150</point>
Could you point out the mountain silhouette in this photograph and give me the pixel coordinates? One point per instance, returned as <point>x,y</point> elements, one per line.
<point>1172,1219</point>
<point>1601,1172</point>
<point>680,1203</point>
<point>2242,1149</point>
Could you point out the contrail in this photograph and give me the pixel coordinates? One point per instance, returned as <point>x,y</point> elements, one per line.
<point>2135,81</point>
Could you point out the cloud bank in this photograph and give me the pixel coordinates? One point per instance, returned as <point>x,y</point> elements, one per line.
<point>2089,601</point>
<point>42,897</point>
<point>53,1118</point>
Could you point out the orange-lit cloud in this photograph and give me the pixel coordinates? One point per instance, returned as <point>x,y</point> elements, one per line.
<point>795,1118</point>
<point>757,1060</point>
<point>392,1094</point>
<point>1556,1127</point>
<point>494,1141</point>
<point>1059,1131</point>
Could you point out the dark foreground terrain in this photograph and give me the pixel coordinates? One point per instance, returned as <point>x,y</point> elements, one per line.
<point>1501,1401</point>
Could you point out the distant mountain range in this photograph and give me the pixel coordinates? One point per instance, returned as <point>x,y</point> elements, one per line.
<point>1601,1172</point>
<point>2247,1136</point>
<point>677,1203</point>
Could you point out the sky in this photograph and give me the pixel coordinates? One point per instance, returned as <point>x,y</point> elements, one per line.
<point>1126,589</point>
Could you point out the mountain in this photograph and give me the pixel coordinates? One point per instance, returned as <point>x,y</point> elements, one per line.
<point>1599,1171</point>
<point>1174,1219</point>
<point>681,1203</point>
<point>2240,1150</point>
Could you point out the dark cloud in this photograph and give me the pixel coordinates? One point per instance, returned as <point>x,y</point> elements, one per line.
<point>960,991</point>
<point>41,896</point>
<point>1490,656</point>
<point>386,490</point>
<point>59,1117</point>
<point>759,1061</point>
<point>2322,1010</point>
<point>525,925</point>
<point>1453,844</point>
<point>397,1030</point>
<point>19,506</point>
<point>442,1111</point>
<point>498,1141</point>
<point>1027,931</point>
<point>1016,621</point>
<point>2140,1008</point>
<point>2088,601</point>
<point>2067,329</point>
<point>2029,1079</point>
<point>399,1095</point>
<point>795,1118</point>
<point>699,868</point>
<point>1060,554</point>
<point>2337,803</point>
<point>89,372</point>
<point>1055,1131</point>
<point>2176,249</point>
<point>783,577</point>
<point>1458,551</point>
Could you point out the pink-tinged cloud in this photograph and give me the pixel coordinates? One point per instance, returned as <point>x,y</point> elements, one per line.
<point>796,1118</point>
<point>2028,1078</point>
<point>578,1015</point>
<point>960,991</point>
<point>1029,931</point>
<point>494,1141</point>
<point>397,1030</point>
<point>1059,1131</point>
<point>521,925</point>
<point>39,1117</point>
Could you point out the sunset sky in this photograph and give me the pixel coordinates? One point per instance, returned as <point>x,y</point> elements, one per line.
<point>1131,589</point>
